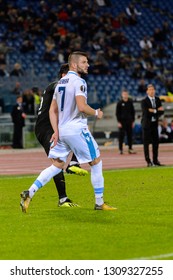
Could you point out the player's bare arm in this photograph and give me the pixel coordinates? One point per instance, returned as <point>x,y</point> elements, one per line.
<point>85,108</point>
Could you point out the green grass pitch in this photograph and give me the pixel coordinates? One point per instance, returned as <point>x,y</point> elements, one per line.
<point>142,227</point>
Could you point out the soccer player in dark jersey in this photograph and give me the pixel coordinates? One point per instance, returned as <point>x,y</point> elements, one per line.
<point>44,131</point>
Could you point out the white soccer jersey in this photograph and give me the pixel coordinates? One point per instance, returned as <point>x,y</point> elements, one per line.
<point>70,119</point>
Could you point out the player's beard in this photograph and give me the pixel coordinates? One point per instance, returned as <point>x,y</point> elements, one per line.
<point>81,72</point>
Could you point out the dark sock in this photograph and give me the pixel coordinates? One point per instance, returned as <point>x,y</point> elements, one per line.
<point>60,184</point>
<point>74,158</point>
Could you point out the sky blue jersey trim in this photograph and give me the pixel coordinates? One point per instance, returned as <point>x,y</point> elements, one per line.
<point>90,145</point>
<point>72,72</point>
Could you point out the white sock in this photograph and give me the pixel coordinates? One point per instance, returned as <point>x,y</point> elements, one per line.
<point>97,181</point>
<point>43,178</point>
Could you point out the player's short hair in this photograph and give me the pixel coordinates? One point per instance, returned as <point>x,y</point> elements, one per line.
<point>63,70</point>
<point>75,55</point>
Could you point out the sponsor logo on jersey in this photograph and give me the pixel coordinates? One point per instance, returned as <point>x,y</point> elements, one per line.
<point>82,88</point>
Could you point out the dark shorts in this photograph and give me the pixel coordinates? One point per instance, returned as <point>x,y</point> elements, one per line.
<point>44,135</point>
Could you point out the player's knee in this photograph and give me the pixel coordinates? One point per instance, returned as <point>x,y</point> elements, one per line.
<point>95,161</point>
<point>58,163</point>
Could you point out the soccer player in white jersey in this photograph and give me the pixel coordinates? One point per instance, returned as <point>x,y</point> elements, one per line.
<point>68,115</point>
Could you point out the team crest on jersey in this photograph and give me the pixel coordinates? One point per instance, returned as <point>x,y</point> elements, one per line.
<point>82,88</point>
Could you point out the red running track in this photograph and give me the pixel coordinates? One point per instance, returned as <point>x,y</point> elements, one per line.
<point>33,161</point>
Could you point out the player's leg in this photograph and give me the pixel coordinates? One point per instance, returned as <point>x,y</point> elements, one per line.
<point>64,201</point>
<point>58,156</point>
<point>45,176</point>
<point>59,179</point>
<point>64,150</point>
<point>75,168</point>
<point>97,181</point>
<point>87,150</point>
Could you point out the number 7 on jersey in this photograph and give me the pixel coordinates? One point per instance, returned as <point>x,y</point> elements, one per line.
<point>62,92</point>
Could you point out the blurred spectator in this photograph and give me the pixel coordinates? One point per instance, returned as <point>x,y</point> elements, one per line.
<point>137,71</point>
<point>164,130</point>
<point>54,33</point>
<point>131,10</point>
<point>145,43</point>
<point>137,131</point>
<point>171,42</point>
<point>74,19</point>
<point>169,85</point>
<point>37,98</point>
<point>2,58</point>
<point>142,87</point>
<point>35,28</point>
<point>76,42</point>
<point>158,35</point>
<point>3,71</point>
<point>100,65</point>
<point>28,102</point>
<point>18,118</point>
<point>153,42</point>
<point>60,57</point>
<point>17,89</point>
<point>69,9</point>
<point>171,126</point>
<point>150,72</point>
<point>161,52</point>
<point>12,18</point>
<point>96,45</point>
<point>118,39</point>
<point>124,62</point>
<point>49,54</point>
<point>2,105</point>
<point>165,30</point>
<point>27,45</point>
<point>146,60</point>
<point>49,44</point>
<point>132,13</point>
<point>17,70</point>
<point>103,3</point>
<point>44,6</point>
<point>120,21</point>
<point>113,54</point>
<point>64,42</point>
<point>141,61</point>
<point>63,15</point>
<point>5,49</point>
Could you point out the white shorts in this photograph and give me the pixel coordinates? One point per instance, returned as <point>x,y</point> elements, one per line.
<point>83,146</point>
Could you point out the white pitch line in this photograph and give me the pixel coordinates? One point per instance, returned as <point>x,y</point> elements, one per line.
<point>163,256</point>
<point>12,177</point>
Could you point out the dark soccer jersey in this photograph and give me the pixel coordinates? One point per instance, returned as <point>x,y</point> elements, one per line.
<point>43,122</point>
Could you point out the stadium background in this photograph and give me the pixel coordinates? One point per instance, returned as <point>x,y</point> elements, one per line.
<point>102,29</point>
